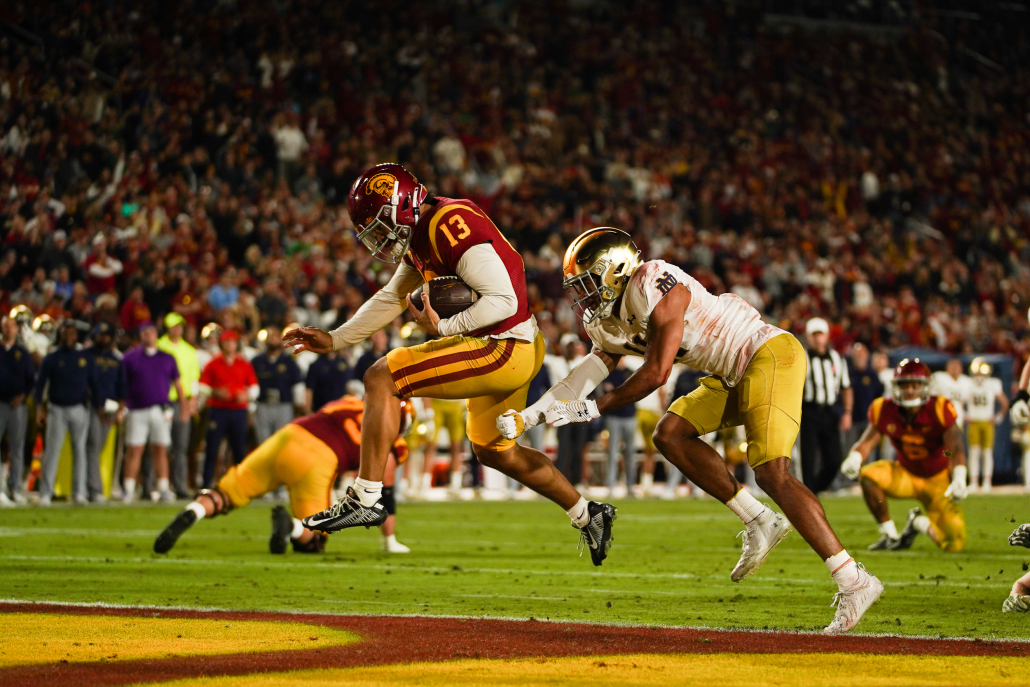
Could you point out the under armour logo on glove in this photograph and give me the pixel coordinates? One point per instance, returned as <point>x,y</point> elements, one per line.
<point>562,413</point>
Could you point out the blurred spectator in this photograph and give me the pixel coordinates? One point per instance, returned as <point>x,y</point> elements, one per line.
<point>187,362</point>
<point>64,387</point>
<point>150,374</point>
<point>230,384</point>
<point>101,268</point>
<point>622,426</point>
<point>225,293</point>
<point>17,376</point>
<point>326,380</point>
<point>107,406</point>
<point>866,386</point>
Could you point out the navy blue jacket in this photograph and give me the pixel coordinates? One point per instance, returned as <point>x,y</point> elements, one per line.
<point>616,378</point>
<point>17,372</point>
<point>276,379</point>
<point>110,377</point>
<point>327,380</point>
<point>70,373</point>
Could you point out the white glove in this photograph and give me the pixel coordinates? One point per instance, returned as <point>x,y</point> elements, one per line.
<point>1021,536</point>
<point>852,465</point>
<point>562,413</point>
<point>511,424</point>
<point>1020,413</point>
<point>958,489</point>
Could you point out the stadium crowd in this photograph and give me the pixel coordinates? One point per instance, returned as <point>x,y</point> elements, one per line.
<point>159,158</point>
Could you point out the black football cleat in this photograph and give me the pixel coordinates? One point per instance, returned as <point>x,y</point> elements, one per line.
<point>597,534</point>
<point>881,544</point>
<point>347,512</point>
<point>166,540</point>
<point>282,528</point>
<point>908,535</point>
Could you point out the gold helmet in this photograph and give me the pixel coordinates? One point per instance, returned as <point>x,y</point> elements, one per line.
<point>979,366</point>
<point>597,267</point>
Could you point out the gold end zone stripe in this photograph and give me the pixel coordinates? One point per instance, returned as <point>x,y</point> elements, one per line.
<point>499,362</point>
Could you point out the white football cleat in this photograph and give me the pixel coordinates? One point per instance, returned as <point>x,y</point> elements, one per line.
<point>852,603</point>
<point>391,545</point>
<point>4,501</point>
<point>760,538</point>
<point>1016,603</point>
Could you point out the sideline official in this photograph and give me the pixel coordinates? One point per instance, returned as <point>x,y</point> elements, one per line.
<point>821,422</point>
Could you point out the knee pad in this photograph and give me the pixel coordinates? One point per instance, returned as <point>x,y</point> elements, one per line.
<point>316,545</point>
<point>389,502</point>
<point>221,501</point>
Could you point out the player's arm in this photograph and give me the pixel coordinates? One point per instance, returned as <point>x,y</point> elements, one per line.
<point>665,334</point>
<point>378,311</point>
<point>1021,401</point>
<point>955,448</point>
<point>483,270</point>
<point>577,385</point>
<point>869,440</point>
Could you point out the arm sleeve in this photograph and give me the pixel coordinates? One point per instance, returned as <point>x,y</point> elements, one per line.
<point>379,310</point>
<point>583,379</point>
<point>483,270</point>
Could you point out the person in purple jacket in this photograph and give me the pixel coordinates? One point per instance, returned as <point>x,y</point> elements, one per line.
<point>149,375</point>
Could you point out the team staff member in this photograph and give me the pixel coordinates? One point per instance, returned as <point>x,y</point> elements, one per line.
<point>867,388</point>
<point>186,360</point>
<point>304,457</point>
<point>487,354</point>
<point>149,375</point>
<point>17,375</point>
<point>108,405</point>
<point>326,380</point>
<point>278,376</point>
<point>67,381</point>
<point>230,384</point>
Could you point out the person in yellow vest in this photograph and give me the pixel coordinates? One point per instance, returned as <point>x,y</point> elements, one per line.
<point>189,374</point>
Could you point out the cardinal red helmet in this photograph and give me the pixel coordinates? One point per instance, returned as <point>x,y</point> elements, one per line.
<point>908,371</point>
<point>383,205</point>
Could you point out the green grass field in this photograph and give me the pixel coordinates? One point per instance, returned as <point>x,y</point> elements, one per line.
<point>669,565</point>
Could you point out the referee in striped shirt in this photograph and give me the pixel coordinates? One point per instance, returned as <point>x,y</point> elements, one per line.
<point>822,417</point>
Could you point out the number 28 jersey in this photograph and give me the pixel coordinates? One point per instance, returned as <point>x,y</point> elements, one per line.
<point>720,333</point>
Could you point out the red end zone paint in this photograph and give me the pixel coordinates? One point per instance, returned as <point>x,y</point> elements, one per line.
<point>390,639</point>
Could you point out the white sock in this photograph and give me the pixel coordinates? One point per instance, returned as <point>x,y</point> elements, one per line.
<point>391,539</point>
<point>988,466</point>
<point>162,484</point>
<point>198,510</point>
<point>427,481</point>
<point>646,482</point>
<point>456,478</point>
<point>130,487</point>
<point>922,524</point>
<point>746,507</point>
<point>973,462</point>
<point>368,491</point>
<point>843,569</point>
<point>889,529</point>
<point>298,529</point>
<point>579,513</point>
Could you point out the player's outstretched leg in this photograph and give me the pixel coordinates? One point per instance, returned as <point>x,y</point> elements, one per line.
<point>1018,600</point>
<point>282,530</point>
<point>911,531</point>
<point>209,502</point>
<point>679,442</point>
<point>876,500</point>
<point>535,470</point>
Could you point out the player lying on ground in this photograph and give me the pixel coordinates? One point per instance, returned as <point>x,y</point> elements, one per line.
<point>931,464</point>
<point>304,456</point>
<point>657,311</point>
<point>1018,600</point>
<point>488,353</point>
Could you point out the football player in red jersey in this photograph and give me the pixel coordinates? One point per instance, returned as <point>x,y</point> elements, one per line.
<point>487,354</point>
<point>304,456</point>
<point>931,463</point>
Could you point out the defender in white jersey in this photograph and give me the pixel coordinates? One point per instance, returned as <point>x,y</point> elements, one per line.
<point>981,420</point>
<point>952,385</point>
<point>657,311</point>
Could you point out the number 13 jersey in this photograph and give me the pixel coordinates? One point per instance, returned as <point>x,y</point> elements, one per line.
<point>720,333</point>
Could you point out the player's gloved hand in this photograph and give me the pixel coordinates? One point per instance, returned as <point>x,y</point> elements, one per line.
<point>1020,412</point>
<point>852,465</point>
<point>511,424</point>
<point>958,489</point>
<point>1021,536</point>
<point>562,413</point>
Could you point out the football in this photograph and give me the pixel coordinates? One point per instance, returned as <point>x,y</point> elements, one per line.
<point>448,296</point>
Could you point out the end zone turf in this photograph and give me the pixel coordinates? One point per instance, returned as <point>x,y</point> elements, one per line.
<point>468,651</point>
